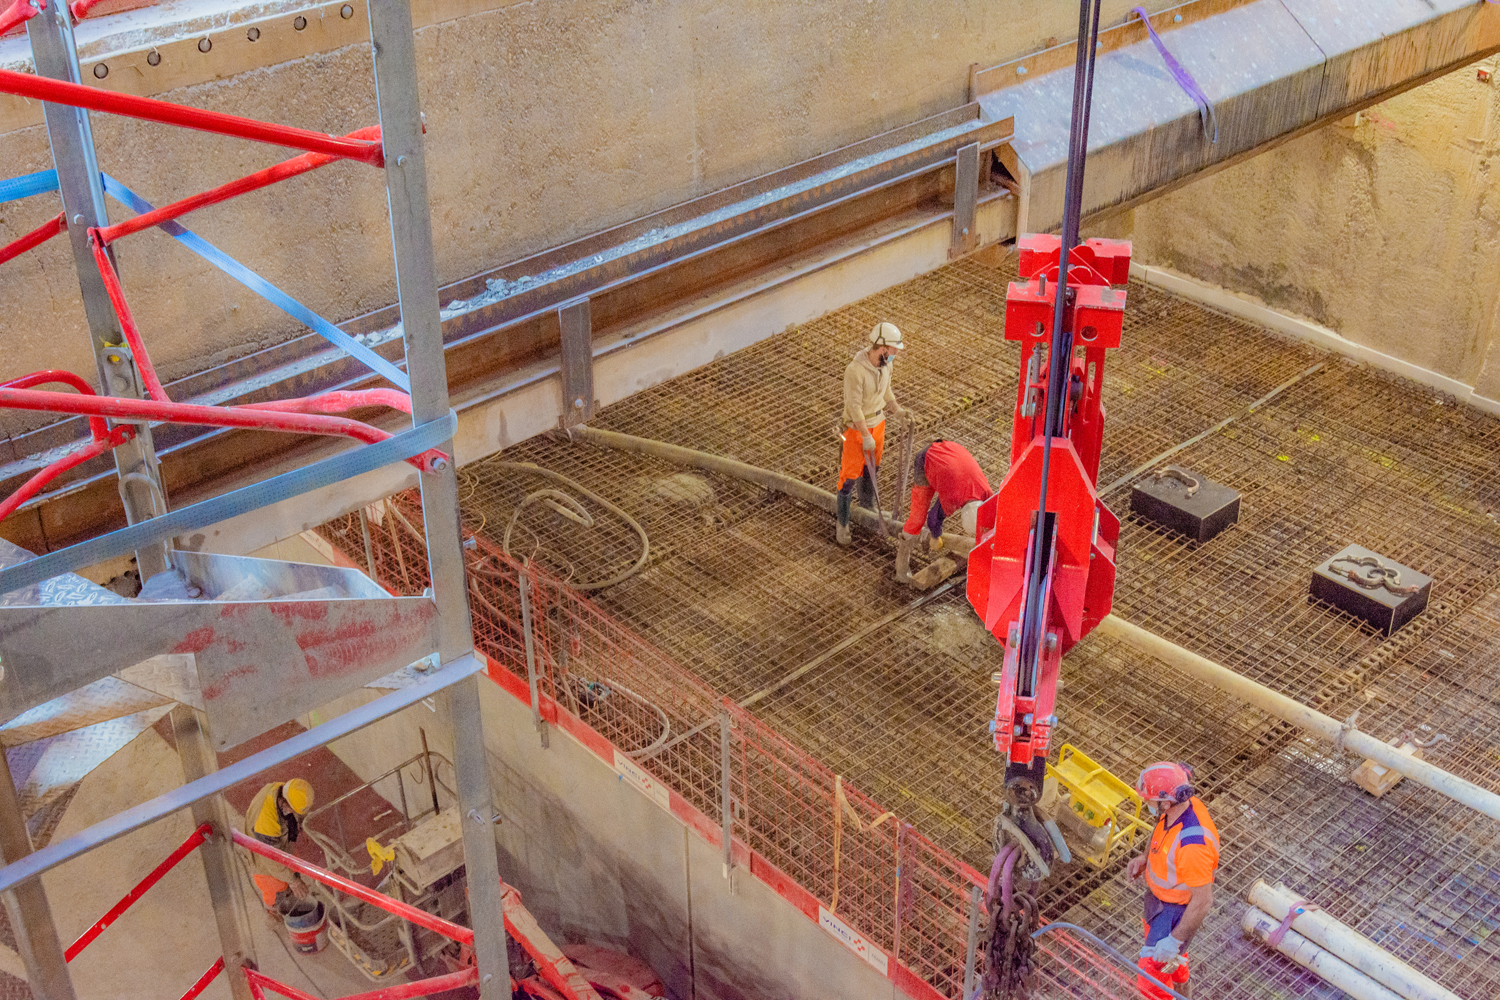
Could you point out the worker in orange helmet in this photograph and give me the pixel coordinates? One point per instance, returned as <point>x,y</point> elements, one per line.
<point>867,397</point>
<point>1179,870</point>
<point>275,818</point>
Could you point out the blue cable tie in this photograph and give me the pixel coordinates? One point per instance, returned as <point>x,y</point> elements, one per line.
<point>262,287</point>
<point>26,185</point>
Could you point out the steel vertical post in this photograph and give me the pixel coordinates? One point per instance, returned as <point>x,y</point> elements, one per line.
<point>971,956</point>
<point>225,889</point>
<point>72,139</point>
<point>394,44</point>
<point>524,585</point>
<point>726,792</point>
<point>26,905</point>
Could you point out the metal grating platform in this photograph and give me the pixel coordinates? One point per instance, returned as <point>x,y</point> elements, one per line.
<point>743,587</point>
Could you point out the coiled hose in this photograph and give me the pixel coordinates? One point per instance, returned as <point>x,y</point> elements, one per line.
<point>578,514</point>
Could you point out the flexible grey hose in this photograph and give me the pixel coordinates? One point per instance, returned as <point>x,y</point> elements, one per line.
<point>573,484</point>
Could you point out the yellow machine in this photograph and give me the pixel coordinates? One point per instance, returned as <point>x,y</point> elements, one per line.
<point>1093,805</point>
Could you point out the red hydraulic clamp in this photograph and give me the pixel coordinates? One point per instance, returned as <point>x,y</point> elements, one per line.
<point>1078,534</point>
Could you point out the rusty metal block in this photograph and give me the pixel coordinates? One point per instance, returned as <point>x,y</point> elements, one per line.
<point>1185,502</point>
<point>1367,585</point>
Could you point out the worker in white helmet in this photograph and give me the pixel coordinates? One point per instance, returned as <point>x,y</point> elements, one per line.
<point>867,397</point>
<point>275,818</point>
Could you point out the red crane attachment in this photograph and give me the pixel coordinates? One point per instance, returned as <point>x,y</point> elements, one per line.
<point>1078,534</point>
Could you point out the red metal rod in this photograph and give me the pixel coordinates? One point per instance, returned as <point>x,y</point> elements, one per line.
<point>41,88</point>
<point>112,439</point>
<point>154,387</point>
<point>80,9</point>
<point>205,979</point>
<point>404,991</point>
<point>338,401</point>
<point>294,167</point>
<point>20,12</point>
<point>41,234</point>
<point>184,849</point>
<point>97,426</point>
<point>403,910</point>
<point>136,410</point>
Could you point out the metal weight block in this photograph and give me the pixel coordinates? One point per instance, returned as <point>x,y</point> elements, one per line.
<point>1367,585</point>
<point>1185,502</point>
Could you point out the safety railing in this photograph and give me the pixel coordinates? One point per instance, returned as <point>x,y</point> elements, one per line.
<point>909,907</point>
<point>197,837</point>
<point>554,968</point>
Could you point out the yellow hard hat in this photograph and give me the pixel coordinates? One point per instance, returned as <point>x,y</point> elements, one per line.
<point>299,795</point>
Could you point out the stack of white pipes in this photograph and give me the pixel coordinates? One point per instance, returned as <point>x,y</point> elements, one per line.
<point>1347,960</point>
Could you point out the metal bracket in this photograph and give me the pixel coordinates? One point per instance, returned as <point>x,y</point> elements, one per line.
<point>577,361</point>
<point>965,201</point>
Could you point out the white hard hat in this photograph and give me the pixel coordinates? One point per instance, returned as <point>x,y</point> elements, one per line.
<point>886,335</point>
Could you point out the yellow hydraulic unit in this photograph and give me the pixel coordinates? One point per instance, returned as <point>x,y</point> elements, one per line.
<point>1093,805</point>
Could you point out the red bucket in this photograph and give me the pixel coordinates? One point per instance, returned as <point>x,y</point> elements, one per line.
<point>308,930</point>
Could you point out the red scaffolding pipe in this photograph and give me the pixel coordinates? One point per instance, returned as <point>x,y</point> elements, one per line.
<point>143,410</point>
<point>77,95</point>
<point>337,401</point>
<point>41,234</point>
<point>20,12</point>
<point>183,850</point>
<point>259,982</point>
<point>405,911</point>
<point>205,979</point>
<point>113,439</point>
<point>294,167</point>
<point>154,388</point>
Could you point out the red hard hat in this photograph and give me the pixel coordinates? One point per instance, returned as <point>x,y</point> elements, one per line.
<point>1166,780</point>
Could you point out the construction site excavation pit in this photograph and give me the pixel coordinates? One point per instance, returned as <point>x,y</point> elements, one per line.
<point>742,587</point>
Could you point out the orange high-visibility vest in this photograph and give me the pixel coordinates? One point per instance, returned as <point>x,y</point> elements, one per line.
<point>1193,833</point>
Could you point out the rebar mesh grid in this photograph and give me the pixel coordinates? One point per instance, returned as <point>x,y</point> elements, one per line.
<point>744,588</point>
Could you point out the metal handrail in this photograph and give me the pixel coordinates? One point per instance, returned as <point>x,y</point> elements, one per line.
<point>260,982</point>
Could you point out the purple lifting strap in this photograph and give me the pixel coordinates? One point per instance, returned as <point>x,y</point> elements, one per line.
<point>1185,79</point>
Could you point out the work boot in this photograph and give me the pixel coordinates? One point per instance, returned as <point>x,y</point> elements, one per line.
<point>866,491</point>
<point>842,533</point>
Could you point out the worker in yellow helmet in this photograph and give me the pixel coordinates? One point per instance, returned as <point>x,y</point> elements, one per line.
<point>275,818</point>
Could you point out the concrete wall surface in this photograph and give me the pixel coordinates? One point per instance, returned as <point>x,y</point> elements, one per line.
<point>546,120</point>
<point>597,861</point>
<point>1384,227</point>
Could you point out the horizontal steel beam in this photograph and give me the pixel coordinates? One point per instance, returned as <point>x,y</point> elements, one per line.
<point>344,465</point>
<point>147,813</point>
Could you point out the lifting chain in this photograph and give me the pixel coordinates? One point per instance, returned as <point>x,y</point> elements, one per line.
<point>1012,916</point>
<point>1377,574</point>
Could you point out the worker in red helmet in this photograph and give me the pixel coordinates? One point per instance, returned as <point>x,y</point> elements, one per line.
<point>1179,869</point>
<point>945,481</point>
<point>867,397</point>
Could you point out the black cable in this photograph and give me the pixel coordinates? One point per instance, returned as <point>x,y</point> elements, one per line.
<point>1059,357</point>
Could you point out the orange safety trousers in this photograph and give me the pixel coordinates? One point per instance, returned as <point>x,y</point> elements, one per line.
<point>269,886</point>
<point>1151,975</point>
<point>852,460</point>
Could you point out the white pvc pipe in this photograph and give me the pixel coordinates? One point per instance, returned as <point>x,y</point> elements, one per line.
<point>1305,718</point>
<point>1349,945</point>
<point>1319,961</point>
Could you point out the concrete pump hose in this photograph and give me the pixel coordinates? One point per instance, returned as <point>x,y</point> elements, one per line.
<point>577,487</point>
<point>1303,717</point>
